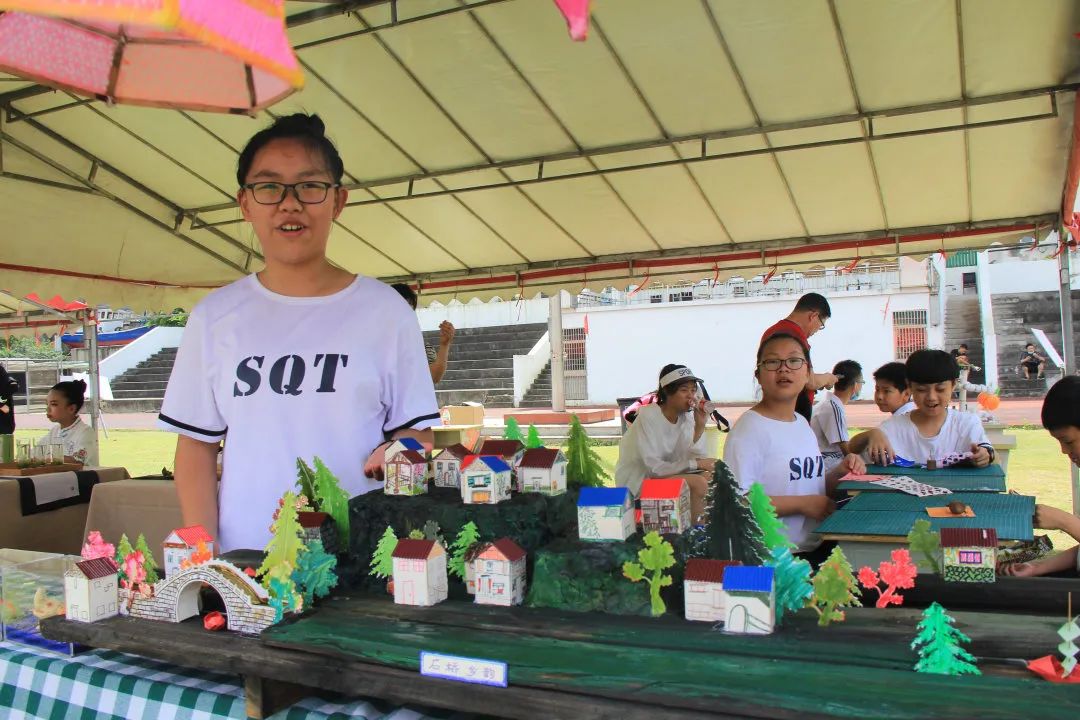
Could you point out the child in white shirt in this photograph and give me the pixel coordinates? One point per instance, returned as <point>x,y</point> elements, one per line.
<point>63,404</point>
<point>829,420</point>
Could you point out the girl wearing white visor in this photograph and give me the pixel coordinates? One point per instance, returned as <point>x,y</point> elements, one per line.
<point>668,439</point>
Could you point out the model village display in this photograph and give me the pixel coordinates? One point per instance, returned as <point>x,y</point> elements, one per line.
<point>736,573</point>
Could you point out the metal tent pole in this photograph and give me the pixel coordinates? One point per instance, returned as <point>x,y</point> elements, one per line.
<point>555,337</point>
<point>91,338</point>
<point>1065,296</point>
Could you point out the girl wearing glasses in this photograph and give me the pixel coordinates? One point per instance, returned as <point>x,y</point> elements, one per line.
<point>773,445</point>
<point>298,360</point>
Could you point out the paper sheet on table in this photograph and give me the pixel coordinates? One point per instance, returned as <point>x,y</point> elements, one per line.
<point>899,482</point>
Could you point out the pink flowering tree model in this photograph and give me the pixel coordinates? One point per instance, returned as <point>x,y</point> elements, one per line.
<point>134,579</point>
<point>96,547</point>
<point>896,575</point>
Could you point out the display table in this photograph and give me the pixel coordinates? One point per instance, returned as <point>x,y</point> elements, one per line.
<point>574,665</point>
<point>109,685</point>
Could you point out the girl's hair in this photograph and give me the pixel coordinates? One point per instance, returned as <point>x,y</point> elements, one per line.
<point>308,129</point>
<point>74,391</point>
<point>778,336</point>
<point>663,393</point>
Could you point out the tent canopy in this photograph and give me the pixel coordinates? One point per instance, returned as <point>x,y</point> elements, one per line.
<point>487,154</point>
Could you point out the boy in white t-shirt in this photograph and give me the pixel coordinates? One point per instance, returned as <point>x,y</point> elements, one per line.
<point>302,359</point>
<point>829,420</point>
<point>932,431</point>
<point>773,445</point>
<point>891,392</point>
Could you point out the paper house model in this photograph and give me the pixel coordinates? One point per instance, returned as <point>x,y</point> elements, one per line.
<point>605,513</point>
<point>319,526</point>
<point>509,450</point>
<point>419,572</point>
<point>91,590</point>
<point>665,505</point>
<point>542,470</point>
<point>447,465</point>
<point>182,543</point>
<point>703,589</point>
<point>749,599</point>
<point>470,566</point>
<point>500,573</point>
<point>405,443</point>
<point>969,554</point>
<point>405,473</point>
<point>485,479</point>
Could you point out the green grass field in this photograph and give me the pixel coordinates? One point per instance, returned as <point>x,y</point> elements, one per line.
<point>1036,466</point>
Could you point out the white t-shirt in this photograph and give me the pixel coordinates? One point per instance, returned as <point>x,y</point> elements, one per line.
<point>281,378</point>
<point>783,457</point>
<point>829,423</point>
<point>957,435</point>
<point>905,408</point>
<point>79,441</point>
<point>654,447</point>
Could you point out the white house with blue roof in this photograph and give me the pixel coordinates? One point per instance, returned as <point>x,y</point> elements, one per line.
<point>485,479</point>
<point>402,444</point>
<point>605,513</point>
<point>749,599</point>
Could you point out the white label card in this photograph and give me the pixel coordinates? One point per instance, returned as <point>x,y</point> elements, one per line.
<point>463,669</point>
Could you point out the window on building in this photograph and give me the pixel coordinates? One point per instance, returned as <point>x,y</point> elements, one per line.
<point>909,332</point>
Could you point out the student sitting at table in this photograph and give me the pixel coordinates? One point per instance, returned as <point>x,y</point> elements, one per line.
<point>932,431</point>
<point>891,392</point>
<point>773,445</point>
<point>1061,417</point>
<point>62,407</point>
<point>667,439</point>
<point>829,421</point>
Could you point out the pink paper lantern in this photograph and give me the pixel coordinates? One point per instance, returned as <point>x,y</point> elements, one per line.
<point>213,55</point>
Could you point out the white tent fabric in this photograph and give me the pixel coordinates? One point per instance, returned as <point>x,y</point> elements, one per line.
<point>487,154</point>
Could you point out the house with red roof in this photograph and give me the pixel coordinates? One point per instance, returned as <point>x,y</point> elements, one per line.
<point>665,505</point>
<point>969,554</point>
<point>542,470</point>
<point>703,588</point>
<point>319,526</point>
<point>499,570</point>
<point>419,572</point>
<point>405,473</point>
<point>485,479</point>
<point>91,590</point>
<point>182,543</point>
<point>509,450</point>
<point>447,465</point>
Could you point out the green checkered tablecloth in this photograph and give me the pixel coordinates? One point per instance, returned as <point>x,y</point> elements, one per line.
<point>107,685</point>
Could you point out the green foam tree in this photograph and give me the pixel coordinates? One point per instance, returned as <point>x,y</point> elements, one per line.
<point>382,560</point>
<point>583,466</point>
<point>793,588</point>
<point>773,530</point>
<point>315,572</point>
<point>834,588</point>
<point>731,531</point>
<point>657,556</point>
<point>123,549</point>
<point>533,441</point>
<point>513,430</point>
<point>283,550</point>
<point>927,543</point>
<point>150,566</point>
<point>331,499</point>
<point>466,538</point>
<point>416,534</point>
<point>305,482</point>
<point>938,644</point>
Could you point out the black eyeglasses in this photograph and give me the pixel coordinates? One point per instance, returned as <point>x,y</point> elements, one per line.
<point>309,192</point>
<point>773,364</point>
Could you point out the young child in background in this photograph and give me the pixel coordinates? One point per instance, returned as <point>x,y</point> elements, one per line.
<point>1061,417</point>
<point>891,392</point>
<point>932,431</point>
<point>829,421</point>
<point>63,404</point>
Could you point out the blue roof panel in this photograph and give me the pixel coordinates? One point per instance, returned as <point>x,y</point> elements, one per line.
<point>602,496</point>
<point>410,443</point>
<point>748,578</point>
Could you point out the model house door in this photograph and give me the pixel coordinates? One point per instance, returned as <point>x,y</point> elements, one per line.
<point>408,592</point>
<point>717,599</point>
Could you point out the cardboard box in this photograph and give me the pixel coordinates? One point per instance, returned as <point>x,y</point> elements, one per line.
<point>470,414</point>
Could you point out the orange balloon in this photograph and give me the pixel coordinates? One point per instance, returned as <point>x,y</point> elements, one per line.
<point>989,401</point>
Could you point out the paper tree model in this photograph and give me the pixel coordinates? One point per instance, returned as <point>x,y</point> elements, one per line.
<point>605,513</point>
<point>91,590</point>
<point>750,602</point>
<point>938,643</point>
<point>325,494</point>
<point>382,560</point>
<point>282,555</point>
<point>447,465</point>
<point>899,574</point>
<point>1069,632</point>
<point>703,589</point>
<point>927,543</point>
<point>182,543</point>
<point>834,588</point>
<point>419,572</point>
<point>512,430</point>
<point>792,580</point>
<point>969,554</point>
<point>406,473</point>
<point>584,468</point>
<point>533,440</point>
<point>96,547</point>
<point>773,530</point>
<point>485,479</point>
<point>731,532</point>
<point>665,505</point>
<point>656,557</point>
<point>542,470</point>
<point>467,539</point>
<point>499,569</point>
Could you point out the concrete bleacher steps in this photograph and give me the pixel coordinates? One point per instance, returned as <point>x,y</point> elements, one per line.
<point>1014,317</point>
<point>142,388</point>
<point>539,394</point>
